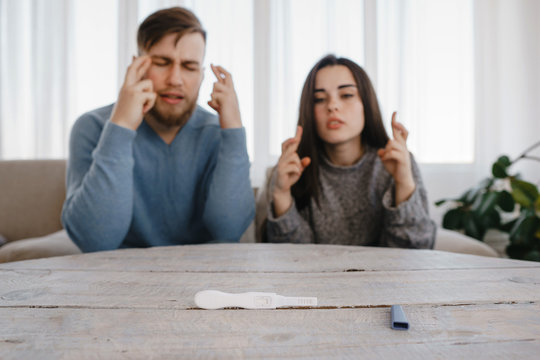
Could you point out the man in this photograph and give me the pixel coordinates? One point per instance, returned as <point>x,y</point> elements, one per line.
<point>154,168</point>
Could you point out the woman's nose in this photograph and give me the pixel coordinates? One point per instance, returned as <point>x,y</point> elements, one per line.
<point>333,105</point>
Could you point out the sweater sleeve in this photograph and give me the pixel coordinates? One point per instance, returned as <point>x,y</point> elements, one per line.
<point>408,225</point>
<point>99,184</point>
<point>230,204</point>
<point>289,227</point>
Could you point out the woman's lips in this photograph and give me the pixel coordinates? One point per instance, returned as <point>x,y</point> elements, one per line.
<point>334,124</point>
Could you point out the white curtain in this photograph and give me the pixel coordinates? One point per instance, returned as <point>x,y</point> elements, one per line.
<point>463,74</point>
<point>34,68</point>
<point>506,94</point>
<point>56,61</point>
<point>426,73</point>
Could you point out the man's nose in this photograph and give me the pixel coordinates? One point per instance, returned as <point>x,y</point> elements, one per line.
<point>175,76</point>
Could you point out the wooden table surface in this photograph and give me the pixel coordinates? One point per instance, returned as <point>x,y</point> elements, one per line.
<point>138,303</point>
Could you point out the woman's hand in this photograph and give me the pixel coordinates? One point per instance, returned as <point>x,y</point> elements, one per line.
<point>397,161</point>
<point>289,169</point>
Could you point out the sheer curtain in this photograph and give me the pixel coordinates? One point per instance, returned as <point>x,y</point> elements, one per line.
<point>55,63</point>
<point>425,53</point>
<point>34,69</point>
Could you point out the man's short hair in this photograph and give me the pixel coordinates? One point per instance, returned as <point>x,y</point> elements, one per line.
<point>175,20</point>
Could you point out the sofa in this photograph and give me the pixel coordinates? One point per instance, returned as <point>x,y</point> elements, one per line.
<point>31,196</point>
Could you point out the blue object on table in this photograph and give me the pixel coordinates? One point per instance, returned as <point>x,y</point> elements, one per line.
<point>399,320</point>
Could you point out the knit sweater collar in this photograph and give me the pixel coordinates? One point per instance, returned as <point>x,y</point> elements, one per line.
<point>329,166</point>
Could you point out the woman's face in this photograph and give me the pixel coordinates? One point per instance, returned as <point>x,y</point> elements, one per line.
<point>339,112</point>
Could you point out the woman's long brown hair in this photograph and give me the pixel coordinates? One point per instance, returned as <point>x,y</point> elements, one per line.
<point>373,134</point>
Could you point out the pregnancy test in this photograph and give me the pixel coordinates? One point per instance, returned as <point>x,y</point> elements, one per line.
<point>214,299</point>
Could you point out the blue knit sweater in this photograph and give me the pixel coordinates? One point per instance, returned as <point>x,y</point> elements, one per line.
<point>129,188</point>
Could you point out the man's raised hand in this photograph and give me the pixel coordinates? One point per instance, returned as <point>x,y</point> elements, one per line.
<point>136,96</point>
<point>223,99</point>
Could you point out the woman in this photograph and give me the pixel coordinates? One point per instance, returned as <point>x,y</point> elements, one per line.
<point>341,180</point>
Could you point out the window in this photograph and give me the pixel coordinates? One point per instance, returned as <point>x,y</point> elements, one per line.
<point>425,72</point>
<point>55,64</point>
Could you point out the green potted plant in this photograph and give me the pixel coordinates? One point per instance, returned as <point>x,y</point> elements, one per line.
<point>504,202</point>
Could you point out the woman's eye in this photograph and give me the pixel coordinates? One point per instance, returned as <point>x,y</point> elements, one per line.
<point>318,100</point>
<point>346,96</point>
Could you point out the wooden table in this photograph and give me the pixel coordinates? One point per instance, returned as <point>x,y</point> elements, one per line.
<point>138,304</point>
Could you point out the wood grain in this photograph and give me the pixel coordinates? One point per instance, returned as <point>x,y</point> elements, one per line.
<point>138,304</point>
<point>177,290</point>
<point>297,258</point>
<point>477,331</point>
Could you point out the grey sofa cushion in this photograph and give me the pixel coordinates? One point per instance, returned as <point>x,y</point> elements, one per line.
<point>56,244</point>
<point>453,241</point>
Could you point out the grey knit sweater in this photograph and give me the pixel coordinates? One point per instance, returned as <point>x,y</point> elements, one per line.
<point>356,208</point>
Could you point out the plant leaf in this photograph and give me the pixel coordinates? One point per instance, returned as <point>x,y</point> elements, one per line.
<point>524,230</point>
<point>492,220</point>
<point>506,201</point>
<point>517,226</point>
<point>464,196</point>
<point>533,255</point>
<point>442,201</point>
<point>524,193</point>
<point>485,183</point>
<point>487,203</point>
<point>504,161</point>
<point>499,171</point>
<point>478,201</point>
<point>516,251</point>
<point>467,197</point>
<point>452,220</point>
<point>507,227</point>
<point>470,195</point>
<point>472,228</point>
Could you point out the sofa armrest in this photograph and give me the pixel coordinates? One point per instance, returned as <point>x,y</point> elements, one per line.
<point>453,241</point>
<point>32,193</point>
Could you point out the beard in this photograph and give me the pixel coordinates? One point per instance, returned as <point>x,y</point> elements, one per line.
<point>173,118</point>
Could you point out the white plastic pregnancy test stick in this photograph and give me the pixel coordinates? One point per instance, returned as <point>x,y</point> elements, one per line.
<point>214,299</point>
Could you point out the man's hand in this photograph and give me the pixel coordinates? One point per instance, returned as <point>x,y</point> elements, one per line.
<point>136,96</point>
<point>289,169</point>
<point>397,161</point>
<point>223,99</point>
